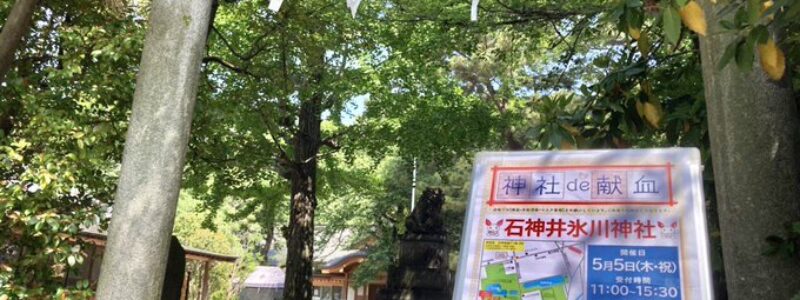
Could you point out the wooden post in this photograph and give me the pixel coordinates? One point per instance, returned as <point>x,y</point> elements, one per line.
<point>91,263</point>
<point>204,287</point>
<point>155,149</point>
<point>185,289</point>
<point>346,285</point>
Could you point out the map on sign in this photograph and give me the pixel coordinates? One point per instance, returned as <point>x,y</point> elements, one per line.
<point>588,225</point>
<point>533,270</point>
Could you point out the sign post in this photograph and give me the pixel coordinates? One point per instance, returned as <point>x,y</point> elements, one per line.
<point>602,224</point>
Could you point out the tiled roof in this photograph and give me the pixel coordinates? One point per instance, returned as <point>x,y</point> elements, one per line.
<point>266,277</point>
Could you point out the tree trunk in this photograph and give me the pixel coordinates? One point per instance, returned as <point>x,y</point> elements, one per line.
<point>754,128</point>
<point>16,27</point>
<point>152,163</point>
<point>268,240</point>
<point>300,241</point>
<point>511,141</point>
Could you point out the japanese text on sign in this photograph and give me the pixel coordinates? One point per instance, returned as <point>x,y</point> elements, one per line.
<point>582,184</point>
<point>586,225</point>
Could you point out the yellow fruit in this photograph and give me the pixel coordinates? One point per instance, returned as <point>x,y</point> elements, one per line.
<point>768,53</point>
<point>639,108</point>
<point>634,32</point>
<point>6,268</point>
<point>646,87</point>
<point>766,5</point>
<point>694,18</point>
<point>644,44</point>
<point>652,114</point>
<point>571,129</point>
<point>566,145</point>
<point>772,59</point>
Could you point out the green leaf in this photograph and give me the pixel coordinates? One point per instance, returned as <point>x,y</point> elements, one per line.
<point>533,133</point>
<point>758,35</point>
<point>601,62</point>
<point>727,24</point>
<point>634,70</point>
<point>774,244</point>
<point>622,24</point>
<point>672,24</point>
<point>615,107</point>
<point>740,19</point>
<point>793,11</point>
<point>54,226</point>
<point>744,56</point>
<point>753,11</point>
<point>554,136</point>
<point>71,260</point>
<point>730,52</point>
<point>681,3</point>
<point>796,227</point>
<point>634,3</point>
<point>785,15</point>
<point>72,229</point>
<point>635,18</point>
<point>619,10</point>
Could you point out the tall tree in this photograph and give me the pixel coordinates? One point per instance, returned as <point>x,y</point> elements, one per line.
<point>283,72</point>
<point>68,103</point>
<point>301,171</point>
<point>152,165</point>
<point>17,25</point>
<point>755,140</point>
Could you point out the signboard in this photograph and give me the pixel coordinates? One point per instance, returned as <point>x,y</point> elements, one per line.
<point>607,224</point>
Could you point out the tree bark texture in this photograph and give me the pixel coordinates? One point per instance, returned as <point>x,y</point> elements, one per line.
<point>303,179</point>
<point>15,28</point>
<point>155,149</point>
<point>754,129</point>
<point>512,143</point>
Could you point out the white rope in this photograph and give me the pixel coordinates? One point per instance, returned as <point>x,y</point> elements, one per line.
<point>474,12</point>
<point>275,5</point>
<point>353,6</point>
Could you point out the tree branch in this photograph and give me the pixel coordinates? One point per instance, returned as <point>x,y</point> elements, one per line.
<point>229,66</point>
<point>572,48</point>
<point>519,17</point>
<point>332,143</point>
<point>275,140</point>
<point>256,49</point>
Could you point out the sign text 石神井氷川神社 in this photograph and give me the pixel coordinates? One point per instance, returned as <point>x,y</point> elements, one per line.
<point>602,224</point>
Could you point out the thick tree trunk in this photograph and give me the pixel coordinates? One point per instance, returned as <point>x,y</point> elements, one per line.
<point>300,240</point>
<point>512,143</point>
<point>15,28</point>
<point>155,148</point>
<point>755,130</point>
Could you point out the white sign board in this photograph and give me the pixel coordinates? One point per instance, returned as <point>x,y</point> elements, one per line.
<point>606,224</point>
